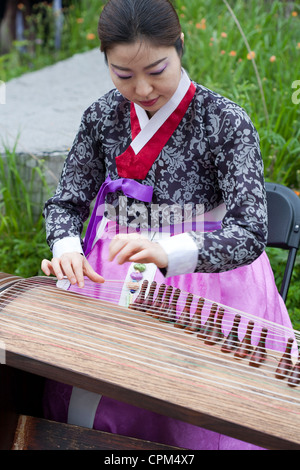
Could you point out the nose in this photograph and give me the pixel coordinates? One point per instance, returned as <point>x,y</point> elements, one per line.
<point>143,88</point>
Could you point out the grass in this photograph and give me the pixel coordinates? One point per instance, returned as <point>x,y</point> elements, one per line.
<point>218,56</point>
<point>247,51</point>
<point>22,191</point>
<point>38,49</point>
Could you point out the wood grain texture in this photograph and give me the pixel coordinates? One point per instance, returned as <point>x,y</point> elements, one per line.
<point>130,356</point>
<point>40,434</point>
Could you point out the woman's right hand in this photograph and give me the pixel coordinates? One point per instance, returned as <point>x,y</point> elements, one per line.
<point>72,265</point>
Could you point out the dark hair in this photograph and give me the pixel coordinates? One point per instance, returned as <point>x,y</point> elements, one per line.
<point>126,21</point>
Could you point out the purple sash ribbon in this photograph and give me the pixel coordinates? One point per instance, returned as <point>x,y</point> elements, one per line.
<point>141,192</point>
<point>129,187</point>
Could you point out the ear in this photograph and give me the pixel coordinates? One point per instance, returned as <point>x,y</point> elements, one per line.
<point>182,38</point>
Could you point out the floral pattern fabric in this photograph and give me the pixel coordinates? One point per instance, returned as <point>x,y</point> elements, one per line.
<point>212,158</point>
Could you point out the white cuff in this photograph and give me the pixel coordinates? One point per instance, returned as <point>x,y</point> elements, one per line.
<point>182,254</point>
<point>66,245</point>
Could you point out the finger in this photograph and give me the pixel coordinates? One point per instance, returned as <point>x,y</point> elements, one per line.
<point>115,247</point>
<point>122,241</point>
<point>56,268</point>
<point>154,253</point>
<point>63,266</point>
<point>46,267</point>
<point>90,273</point>
<point>131,249</point>
<point>142,256</point>
<point>76,271</point>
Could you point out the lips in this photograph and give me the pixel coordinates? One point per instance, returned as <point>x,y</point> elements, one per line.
<point>149,104</point>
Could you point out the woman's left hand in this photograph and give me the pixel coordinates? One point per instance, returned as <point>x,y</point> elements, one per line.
<point>137,249</point>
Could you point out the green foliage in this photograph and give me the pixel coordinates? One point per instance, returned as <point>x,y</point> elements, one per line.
<point>218,42</point>
<point>22,234</point>
<point>37,50</point>
<point>278,260</point>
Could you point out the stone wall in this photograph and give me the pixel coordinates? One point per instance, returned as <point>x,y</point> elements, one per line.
<point>42,110</point>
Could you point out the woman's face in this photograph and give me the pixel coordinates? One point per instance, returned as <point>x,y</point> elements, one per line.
<point>145,74</point>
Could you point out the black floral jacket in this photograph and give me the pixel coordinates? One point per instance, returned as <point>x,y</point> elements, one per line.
<point>212,158</point>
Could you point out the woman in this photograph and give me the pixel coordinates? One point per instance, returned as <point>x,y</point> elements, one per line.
<point>164,156</point>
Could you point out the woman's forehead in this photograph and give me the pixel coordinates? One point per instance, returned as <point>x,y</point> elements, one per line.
<point>141,53</point>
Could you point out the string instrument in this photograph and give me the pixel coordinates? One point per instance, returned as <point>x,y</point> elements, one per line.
<point>170,352</point>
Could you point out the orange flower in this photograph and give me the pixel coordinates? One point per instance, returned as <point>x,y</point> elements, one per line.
<point>297,192</point>
<point>232,53</point>
<point>223,52</point>
<point>90,36</point>
<point>251,55</point>
<point>298,45</point>
<point>294,13</point>
<point>80,20</point>
<point>202,24</point>
<point>272,58</point>
<point>223,35</point>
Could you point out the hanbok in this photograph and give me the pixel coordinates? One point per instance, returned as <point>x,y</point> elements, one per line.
<point>250,288</point>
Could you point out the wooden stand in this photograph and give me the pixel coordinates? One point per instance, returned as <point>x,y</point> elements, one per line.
<point>22,428</point>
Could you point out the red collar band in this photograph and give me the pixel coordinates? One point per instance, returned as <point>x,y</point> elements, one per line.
<point>149,141</point>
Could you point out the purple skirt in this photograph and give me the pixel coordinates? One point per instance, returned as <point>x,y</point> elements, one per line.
<point>250,289</point>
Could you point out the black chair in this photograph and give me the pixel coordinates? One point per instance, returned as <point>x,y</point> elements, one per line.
<point>284,226</point>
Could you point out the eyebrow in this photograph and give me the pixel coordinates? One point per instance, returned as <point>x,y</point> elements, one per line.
<point>125,69</point>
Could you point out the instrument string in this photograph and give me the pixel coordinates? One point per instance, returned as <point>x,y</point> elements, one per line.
<point>190,375</point>
<point>106,292</point>
<point>96,341</point>
<point>206,310</point>
<point>226,323</point>
<point>81,325</point>
<point>182,369</point>
<point>181,303</point>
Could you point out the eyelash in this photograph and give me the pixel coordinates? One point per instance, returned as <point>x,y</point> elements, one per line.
<point>153,73</point>
<point>160,72</point>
